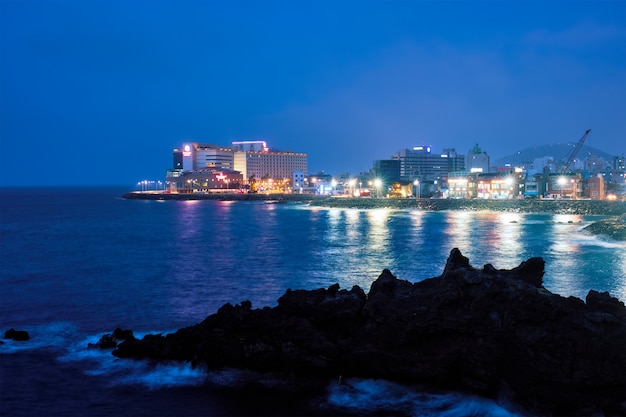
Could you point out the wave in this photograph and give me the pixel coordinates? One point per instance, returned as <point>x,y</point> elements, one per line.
<point>381,397</point>
<point>353,397</point>
<point>49,335</point>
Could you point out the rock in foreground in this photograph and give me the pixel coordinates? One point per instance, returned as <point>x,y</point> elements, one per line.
<point>492,332</point>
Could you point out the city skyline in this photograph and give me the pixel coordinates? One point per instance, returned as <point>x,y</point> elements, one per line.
<point>99,92</point>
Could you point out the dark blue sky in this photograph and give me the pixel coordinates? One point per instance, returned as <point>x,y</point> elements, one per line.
<point>99,92</point>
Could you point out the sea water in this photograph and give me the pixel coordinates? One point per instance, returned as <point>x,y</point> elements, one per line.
<point>76,263</point>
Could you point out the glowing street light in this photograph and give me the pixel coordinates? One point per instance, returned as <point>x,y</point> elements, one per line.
<point>378,183</point>
<point>416,183</point>
<point>562,181</point>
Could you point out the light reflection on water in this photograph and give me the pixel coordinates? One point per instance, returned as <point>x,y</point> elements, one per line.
<point>231,252</point>
<point>414,245</point>
<point>171,264</point>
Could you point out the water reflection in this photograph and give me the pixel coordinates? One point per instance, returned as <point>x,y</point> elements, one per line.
<point>486,237</point>
<point>378,230</point>
<point>229,252</point>
<point>509,238</point>
<point>564,253</point>
<point>458,230</point>
<point>187,219</point>
<point>352,226</point>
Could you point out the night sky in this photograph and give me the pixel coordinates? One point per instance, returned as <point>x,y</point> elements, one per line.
<point>99,92</point>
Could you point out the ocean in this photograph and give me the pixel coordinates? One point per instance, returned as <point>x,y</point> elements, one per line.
<point>75,263</point>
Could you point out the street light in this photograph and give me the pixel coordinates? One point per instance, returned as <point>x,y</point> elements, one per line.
<point>416,183</point>
<point>509,183</point>
<point>378,183</point>
<point>562,181</point>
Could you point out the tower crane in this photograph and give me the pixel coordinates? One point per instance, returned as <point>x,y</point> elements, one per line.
<point>575,151</point>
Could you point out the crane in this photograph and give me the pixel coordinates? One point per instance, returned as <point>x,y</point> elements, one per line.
<point>575,151</point>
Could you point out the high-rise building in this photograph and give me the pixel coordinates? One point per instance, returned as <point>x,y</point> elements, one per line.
<point>477,161</point>
<point>250,158</point>
<point>199,156</point>
<point>270,164</point>
<point>387,170</point>
<point>422,164</point>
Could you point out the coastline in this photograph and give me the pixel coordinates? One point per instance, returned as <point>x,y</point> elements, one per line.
<point>580,207</point>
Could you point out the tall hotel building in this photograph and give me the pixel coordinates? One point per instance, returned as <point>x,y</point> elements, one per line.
<point>239,163</point>
<point>254,160</point>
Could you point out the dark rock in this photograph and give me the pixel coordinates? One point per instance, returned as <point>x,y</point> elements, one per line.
<point>18,335</point>
<point>492,332</point>
<point>613,227</point>
<point>109,341</point>
<point>530,271</point>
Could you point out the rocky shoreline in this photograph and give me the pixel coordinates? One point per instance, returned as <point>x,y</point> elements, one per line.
<point>496,333</point>
<point>582,207</point>
<point>612,227</point>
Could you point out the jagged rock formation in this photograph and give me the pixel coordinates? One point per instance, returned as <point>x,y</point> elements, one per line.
<point>488,331</point>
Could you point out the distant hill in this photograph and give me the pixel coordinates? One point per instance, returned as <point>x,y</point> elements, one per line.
<point>559,152</point>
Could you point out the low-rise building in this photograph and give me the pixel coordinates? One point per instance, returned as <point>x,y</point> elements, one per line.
<point>563,186</point>
<point>593,188</point>
<point>206,180</point>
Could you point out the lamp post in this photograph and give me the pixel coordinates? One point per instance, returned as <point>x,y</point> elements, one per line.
<point>378,183</point>
<point>352,184</point>
<point>416,183</point>
<point>509,182</point>
<point>562,181</point>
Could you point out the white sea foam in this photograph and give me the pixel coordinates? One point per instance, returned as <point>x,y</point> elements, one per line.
<point>73,347</point>
<point>50,335</point>
<point>101,362</point>
<point>371,396</point>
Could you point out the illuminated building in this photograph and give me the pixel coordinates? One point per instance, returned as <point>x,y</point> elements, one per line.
<point>560,186</point>
<point>461,185</point>
<point>205,180</point>
<point>251,158</point>
<point>420,163</point>
<point>269,164</point>
<point>193,156</point>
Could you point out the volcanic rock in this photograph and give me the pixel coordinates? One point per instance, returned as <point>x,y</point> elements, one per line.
<point>109,341</point>
<point>613,227</point>
<point>18,335</point>
<point>488,331</point>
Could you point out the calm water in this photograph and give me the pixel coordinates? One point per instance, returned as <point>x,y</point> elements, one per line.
<point>76,263</point>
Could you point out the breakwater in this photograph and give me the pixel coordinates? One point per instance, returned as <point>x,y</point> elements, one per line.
<point>581,207</point>
<point>279,198</point>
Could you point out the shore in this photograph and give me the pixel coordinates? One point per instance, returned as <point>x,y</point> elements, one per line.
<point>581,207</point>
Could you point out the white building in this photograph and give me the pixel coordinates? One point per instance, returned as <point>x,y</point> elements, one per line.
<point>253,159</point>
<point>477,161</point>
<point>270,164</point>
<point>194,156</point>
